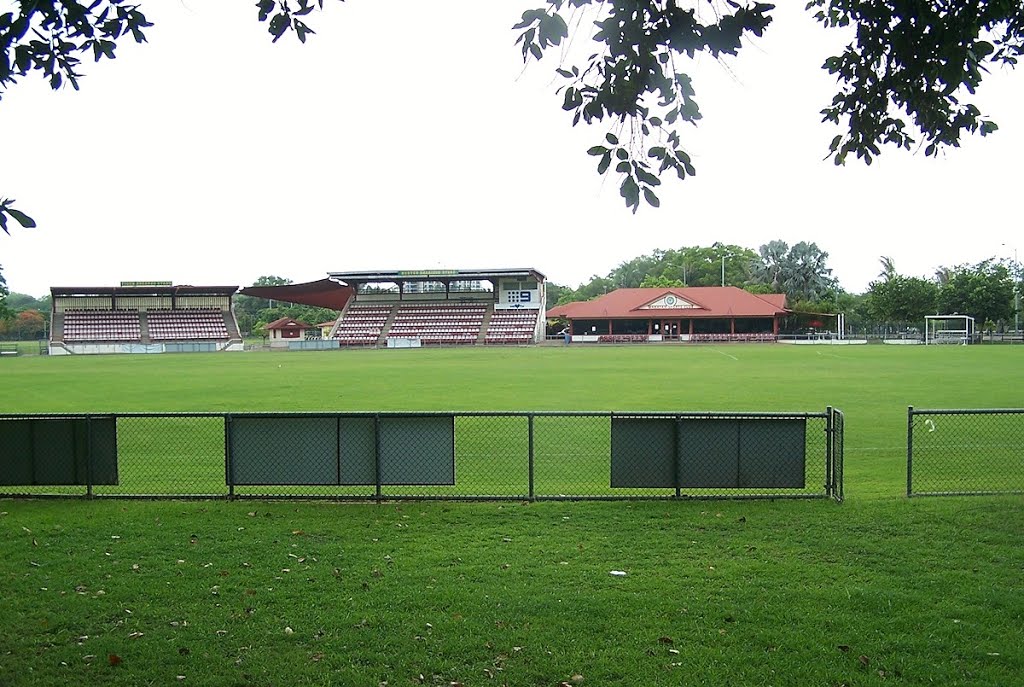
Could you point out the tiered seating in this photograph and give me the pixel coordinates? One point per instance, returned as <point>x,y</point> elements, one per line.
<point>448,323</point>
<point>101,325</point>
<point>362,324</point>
<point>165,325</point>
<point>732,338</point>
<point>512,326</point>
<point>622,338</point>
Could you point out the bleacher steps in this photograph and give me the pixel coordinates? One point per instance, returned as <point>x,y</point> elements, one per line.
<point>481,337</point>
<point>382,340</point>
<point>144,328</point>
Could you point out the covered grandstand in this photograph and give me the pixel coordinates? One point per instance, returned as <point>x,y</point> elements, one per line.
<point>412,308</point>
<point>441,307</point>
<point>695,314</point>
<point>154,317</point>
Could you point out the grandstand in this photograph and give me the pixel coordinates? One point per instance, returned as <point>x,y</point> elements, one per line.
<point>138,317</point>
<point>409,308</point>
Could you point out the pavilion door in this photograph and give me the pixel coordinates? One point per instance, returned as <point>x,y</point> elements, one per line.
<point>670,329</point>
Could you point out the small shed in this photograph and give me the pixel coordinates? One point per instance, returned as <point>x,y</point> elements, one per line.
<point>287,329</point>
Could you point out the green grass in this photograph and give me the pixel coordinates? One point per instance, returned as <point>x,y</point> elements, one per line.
<point>926,591</point>
<point>881,590</point>
<point>873,385</point>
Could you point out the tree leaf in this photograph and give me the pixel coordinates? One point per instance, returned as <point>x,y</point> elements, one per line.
<point>23,219</point>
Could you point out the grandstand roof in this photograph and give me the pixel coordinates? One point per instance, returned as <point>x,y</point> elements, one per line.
<point>682,302</point>
<point>183,290</point>
<point>323,293</point>
<point>433,275</point>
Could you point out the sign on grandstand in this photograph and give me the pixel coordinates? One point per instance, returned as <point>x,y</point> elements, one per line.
<point>146,283</point>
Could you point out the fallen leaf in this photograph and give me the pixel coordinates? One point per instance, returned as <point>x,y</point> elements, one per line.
<point>674,652</point>
<point>298,533</point>
<point>665,640</point>
<point>135,635</point>
<point>864,660</point>
<point>845,648</point>
<point>576,679</point>
<point>317,657</point>
<point>114,660</point>
<point>289,631</point>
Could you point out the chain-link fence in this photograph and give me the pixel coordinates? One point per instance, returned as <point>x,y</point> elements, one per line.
<point>962,452</point>
<point>446,455</point>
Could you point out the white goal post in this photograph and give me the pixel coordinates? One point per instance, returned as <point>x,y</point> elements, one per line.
<point>948,329</point>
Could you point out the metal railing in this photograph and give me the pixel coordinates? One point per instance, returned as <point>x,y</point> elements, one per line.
<point>965,452</point>
<point>408,456</point>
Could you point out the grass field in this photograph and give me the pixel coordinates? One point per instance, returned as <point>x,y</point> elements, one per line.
<point>880,590</point>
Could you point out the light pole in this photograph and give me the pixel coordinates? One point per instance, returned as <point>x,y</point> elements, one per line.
<point>1016,291</point>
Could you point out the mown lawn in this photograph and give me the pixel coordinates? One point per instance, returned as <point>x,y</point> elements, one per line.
<point>879,590</point>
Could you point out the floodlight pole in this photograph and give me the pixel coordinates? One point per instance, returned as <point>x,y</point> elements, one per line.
<point>1016,292</point>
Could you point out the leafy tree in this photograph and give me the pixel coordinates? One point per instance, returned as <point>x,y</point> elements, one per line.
<point>23,301</point>
<point>28,324</point>
<point>903,77</point>
<point>5,312</point>
<point>799,271</point>
<point>553,293</point>
<point>983,291</point>
<point>902,300</point>
<point>660,282</point>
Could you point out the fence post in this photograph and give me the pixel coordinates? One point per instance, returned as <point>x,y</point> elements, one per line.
<point>229,468</point>
<point>830,437</point>
<point>910,450</point>
<point>88,457</point>
<point>376,456</point>
<point>675,455</point>
<point>529,424</point>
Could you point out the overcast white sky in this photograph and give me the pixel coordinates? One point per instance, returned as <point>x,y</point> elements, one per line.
<point>406,135</point>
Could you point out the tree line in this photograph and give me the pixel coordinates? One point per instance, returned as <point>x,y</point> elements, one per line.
<point>988,291</point>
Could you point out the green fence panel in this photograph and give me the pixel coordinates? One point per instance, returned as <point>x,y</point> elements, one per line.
<point>417,450</point>
<point>772,453</point>
<point>58,451</point>
<point>284,451</point>
<point>709,453</point>
<point>643,452</point>
<point>357,442</point>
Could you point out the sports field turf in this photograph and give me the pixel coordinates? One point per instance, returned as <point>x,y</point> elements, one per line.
<point>880,590</point>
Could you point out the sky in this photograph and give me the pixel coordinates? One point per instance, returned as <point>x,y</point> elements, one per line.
<point>409,135</point>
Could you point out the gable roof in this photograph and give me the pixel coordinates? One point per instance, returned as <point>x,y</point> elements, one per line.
<point>288,323</point>
<point>679,302</point>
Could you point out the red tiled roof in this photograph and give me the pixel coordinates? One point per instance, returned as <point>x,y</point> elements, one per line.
<point>288,323</point>
<point>697,302</point>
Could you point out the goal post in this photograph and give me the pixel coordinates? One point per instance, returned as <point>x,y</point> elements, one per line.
<point>948,329</point>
